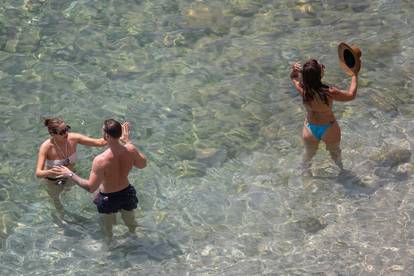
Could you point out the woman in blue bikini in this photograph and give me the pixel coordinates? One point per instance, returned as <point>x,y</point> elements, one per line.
<point>320,123</point>
<point>60,150</point>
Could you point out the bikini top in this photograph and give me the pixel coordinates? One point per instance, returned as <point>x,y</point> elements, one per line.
<point>63,162</point>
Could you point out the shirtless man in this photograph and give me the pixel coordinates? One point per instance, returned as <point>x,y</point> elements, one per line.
<point>320,123</point>
<point>109,173</point>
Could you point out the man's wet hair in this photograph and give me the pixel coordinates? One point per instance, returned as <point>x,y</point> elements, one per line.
<point>113,128</point>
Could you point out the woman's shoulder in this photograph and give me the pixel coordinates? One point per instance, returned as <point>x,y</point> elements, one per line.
<point>46,145</point>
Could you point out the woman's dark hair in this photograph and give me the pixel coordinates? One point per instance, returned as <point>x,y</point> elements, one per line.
<point>311,82</point>
<point>52,124</point>
<point>112,128</point>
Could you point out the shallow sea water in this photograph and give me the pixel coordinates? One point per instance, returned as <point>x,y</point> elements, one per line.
<point>205,86</point>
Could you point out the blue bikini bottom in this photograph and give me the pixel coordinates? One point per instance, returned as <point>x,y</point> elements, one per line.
<point>319,130</point>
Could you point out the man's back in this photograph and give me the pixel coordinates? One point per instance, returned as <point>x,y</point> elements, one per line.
<point>116,163</point>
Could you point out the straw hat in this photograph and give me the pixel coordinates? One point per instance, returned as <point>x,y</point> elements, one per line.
<point>349,58</point>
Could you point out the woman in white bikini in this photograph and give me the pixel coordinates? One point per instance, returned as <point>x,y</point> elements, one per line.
<point>320,123</point>
<point>60,150</point>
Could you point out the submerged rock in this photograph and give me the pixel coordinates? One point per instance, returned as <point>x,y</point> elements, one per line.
<point>188,168</point>
<point>184,151</point>
<point>271,131</point>
<point>393,157</point>
<point>245,7</point>
<point>211,156</point>
<point>201,15</point>
<point>33,5</point>
<point>257,111</point>
<point>311,225</point>
<point>240,136</point>
<point>360,7</point>
<point>206,129</point>
<point>79,13</point>
<point>4,195</point>
<point>28,40</point>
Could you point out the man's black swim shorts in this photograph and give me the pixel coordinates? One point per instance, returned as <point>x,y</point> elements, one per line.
<point>125,199</point>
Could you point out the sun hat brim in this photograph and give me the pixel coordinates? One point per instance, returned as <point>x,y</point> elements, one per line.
<point>349,58</point>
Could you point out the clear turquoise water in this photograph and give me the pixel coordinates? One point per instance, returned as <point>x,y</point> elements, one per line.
<point>205,85</point>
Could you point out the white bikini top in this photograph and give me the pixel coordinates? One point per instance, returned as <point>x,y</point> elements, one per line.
<point>64,162</point>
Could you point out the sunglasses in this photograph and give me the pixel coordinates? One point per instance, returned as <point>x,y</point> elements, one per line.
<point>63,131</point>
